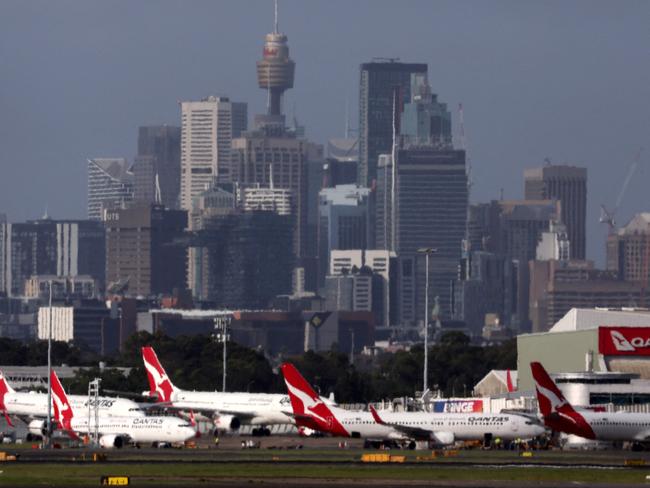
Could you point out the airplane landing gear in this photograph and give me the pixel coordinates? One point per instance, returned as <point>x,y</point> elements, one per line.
<point>261,432</point>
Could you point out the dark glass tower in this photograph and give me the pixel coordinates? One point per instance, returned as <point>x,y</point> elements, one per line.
<point>568,184</point>
<point>377,85</point>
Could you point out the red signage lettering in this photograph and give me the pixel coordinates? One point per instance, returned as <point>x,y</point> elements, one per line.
<point>624,341</point>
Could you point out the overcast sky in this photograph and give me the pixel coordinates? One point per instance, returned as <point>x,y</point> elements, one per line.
<point>565,80</point>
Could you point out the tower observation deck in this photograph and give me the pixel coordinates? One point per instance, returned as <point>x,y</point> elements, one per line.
<point>275,70</point>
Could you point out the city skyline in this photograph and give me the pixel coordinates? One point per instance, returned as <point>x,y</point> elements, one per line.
<point>573,87</point>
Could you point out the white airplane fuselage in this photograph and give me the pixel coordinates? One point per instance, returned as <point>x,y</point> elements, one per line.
<point>34,405</point>
<point>464,427</point>
<point>619,426</point>
<point>138,429</point>
<point>250,408</point>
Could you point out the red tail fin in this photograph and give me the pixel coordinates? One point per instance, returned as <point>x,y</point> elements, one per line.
<point>159,383</point>
<point>308,408</point>
<point>558,413</point>
<point>511,387</point>
<point>5,388</point>
<point>549,396</point>
<point>62,409</point>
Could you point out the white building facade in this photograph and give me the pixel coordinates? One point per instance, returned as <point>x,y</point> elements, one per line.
<point>208,127</point>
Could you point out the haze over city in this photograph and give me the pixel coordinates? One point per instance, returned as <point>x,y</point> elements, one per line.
<point>568,81</point>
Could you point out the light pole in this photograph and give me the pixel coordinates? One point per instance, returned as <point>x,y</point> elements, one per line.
<point>427,251</point>
<point>223,335</point>
<point>48,427</point>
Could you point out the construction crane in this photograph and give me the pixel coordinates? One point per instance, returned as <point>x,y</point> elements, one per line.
<point>608,216</point>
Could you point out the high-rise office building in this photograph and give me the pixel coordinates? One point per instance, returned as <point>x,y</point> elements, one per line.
<point>521,225</point>
<point>50,247</point>
<point>110,185</point>
<point>342,162</point>
<point>426,209</point>
<point>568,185</point>
<point>143,249</point>
<point>558,286</point>
<point>382,265</point>
<point>485,282</point>
<point>379,83</point>
<point>157,167</point>
<point>628,250</point>
<point>207,130</point>
<point>210,203</point>
<point>343,223</point>
<point>250,258</point>
<point>422,200</point>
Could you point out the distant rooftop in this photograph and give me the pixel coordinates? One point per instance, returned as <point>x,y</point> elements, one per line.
<point>116,168</point>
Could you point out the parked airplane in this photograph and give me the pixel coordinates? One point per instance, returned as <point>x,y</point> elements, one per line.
<point>117,431</point>
<point>441,428</point>
<point>229,410</point>
<point>32,406</point>
<point>559,415</point>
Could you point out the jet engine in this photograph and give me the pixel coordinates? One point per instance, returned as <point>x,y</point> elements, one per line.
<point>227,423</point>
<point>37,428</point>
<point>111,441</point>
<point>443,438</point>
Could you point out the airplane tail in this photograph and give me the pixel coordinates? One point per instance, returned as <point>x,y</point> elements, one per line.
<point>5,388</point>
<point>510,385</point>
<point>159,383</point>
<point>549,397</point>
<point>62,409</point>
<point>309,410</point>
<point>557,412</point>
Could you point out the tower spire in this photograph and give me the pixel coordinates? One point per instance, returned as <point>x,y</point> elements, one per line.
<point>275,25</point>
<point>275,71</point>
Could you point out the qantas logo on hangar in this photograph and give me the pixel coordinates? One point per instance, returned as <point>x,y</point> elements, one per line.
<point>622,344</point>
<point>624,340</point>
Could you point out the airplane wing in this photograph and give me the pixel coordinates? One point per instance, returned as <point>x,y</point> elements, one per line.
<point>408,431</point>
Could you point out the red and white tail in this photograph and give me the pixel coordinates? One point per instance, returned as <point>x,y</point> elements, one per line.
<point>557,412</point>
<point>5,388</point>
<point>309,410</point>
<point>159,383</point>
<point>549,397</point>
<point>62,409</point>
<point>509,384</point>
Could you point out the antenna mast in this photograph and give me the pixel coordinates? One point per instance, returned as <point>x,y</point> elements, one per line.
<point>275,25</point>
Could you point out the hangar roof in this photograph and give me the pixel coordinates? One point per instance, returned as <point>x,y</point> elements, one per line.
<point>592,318</point>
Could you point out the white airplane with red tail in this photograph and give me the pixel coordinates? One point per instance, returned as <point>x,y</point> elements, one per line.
<point>32,407</point>
<point>117,431</point>
<point>559,415</point>
<point>229,410</point>
<point>440,428</point>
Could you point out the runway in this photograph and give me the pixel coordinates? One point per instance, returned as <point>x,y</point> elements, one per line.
<point>288,461</point>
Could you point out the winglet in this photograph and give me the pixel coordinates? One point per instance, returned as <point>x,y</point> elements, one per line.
<point>375,415</point>
<point>159,383</point>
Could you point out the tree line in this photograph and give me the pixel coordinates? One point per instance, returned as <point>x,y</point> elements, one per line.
<point>195,363</point>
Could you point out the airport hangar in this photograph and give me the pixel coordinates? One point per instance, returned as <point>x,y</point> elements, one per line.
<point>596,356</point>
